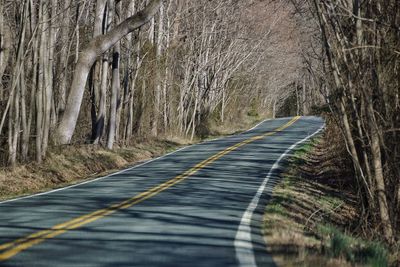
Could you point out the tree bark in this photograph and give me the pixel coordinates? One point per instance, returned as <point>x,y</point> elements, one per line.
<point>101,69</point>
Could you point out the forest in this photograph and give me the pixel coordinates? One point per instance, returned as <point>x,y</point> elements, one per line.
<point>99,72</point>
<point>105,73</point>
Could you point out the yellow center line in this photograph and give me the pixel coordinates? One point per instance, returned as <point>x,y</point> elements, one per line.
<point>10,249</point>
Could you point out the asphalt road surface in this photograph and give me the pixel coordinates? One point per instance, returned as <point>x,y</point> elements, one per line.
<point>199,206</point>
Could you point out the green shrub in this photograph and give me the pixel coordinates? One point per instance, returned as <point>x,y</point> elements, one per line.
<point>341,245</point>
<point>375,254</point>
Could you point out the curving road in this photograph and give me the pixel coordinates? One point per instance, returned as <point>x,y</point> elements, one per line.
<point>199,206</point>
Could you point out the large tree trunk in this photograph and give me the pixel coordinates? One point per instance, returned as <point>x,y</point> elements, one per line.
<point>114,95</point>
<point>115,87</point>
<point>87,57</point>
<point>101,114</point>
<point>100,96</point>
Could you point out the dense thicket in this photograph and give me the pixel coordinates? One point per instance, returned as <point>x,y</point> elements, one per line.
<point>358,73</point>
<point>105,71</point>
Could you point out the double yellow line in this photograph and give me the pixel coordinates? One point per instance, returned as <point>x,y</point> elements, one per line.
<point>10,249</point>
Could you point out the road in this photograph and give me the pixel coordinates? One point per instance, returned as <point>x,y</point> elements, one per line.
<point>199,206</point>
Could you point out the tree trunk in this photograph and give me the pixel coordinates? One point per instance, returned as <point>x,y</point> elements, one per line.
<point>223,105</point>
<point>304,97</point>
<point>160,32</point>
<point>101,114</point>
<point>5,45</point>
<point>297,99</point>
<point>129,120</point>
<point>48,68</point>
<point>40,86</point>
<point>115,87</point>
<point>380,182</point>
<point>100,98</point>
<point>114,95</point>
<point>63,65</point>
<point>96,77</point>
<point>24,120</point>
<point>120,95</point>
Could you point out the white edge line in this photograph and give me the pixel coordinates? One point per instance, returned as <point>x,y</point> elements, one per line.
<point>258,124</point>
<point>93,180</point>
<point>243,241</point>
<point>123,170</point>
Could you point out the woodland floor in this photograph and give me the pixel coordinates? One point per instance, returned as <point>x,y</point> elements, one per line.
<point>311,222</point>
<point>69,165</point>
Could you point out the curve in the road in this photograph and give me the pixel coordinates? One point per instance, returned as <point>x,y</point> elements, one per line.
<point>12,248</point>
<point>194,223</point>
<point>243,239</point>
